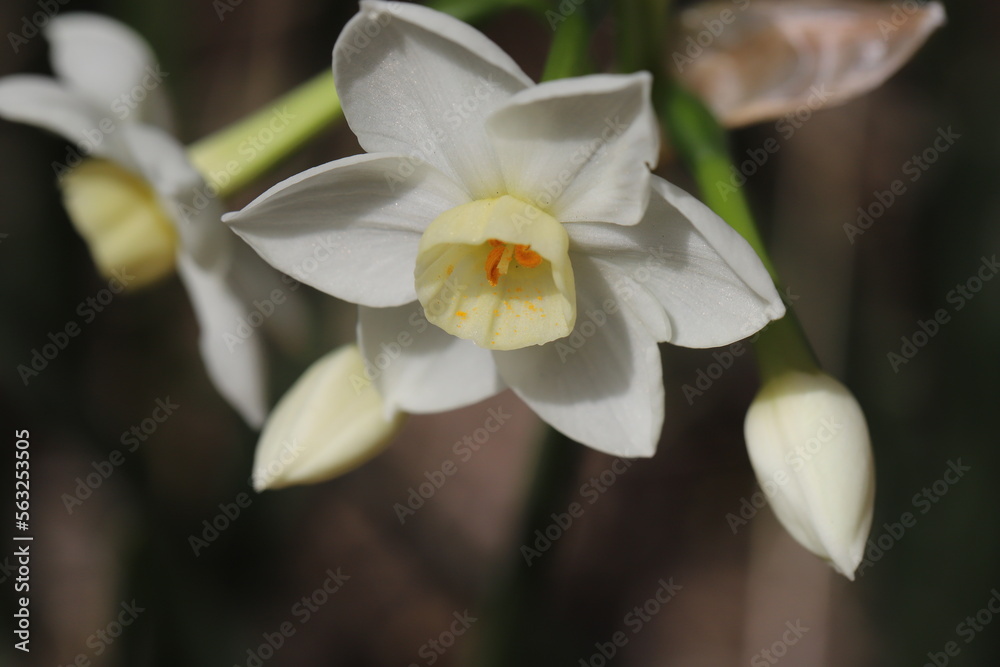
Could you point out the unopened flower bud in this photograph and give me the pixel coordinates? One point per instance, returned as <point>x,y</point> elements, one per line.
<point>331,421</point>
<point>808,441</point>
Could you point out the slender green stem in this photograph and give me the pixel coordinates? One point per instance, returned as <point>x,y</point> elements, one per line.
<point>568,55</point>
<point>234,156</point>
<point>515,629</point>
<point>701,143</point>
<point>641,29</point>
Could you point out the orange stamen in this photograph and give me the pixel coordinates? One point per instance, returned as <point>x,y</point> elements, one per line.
<point>498,261</point>
<point>493,261</point>
<point>527,257</point>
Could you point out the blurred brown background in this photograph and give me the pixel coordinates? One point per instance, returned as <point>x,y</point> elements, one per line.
<point>664,519</point>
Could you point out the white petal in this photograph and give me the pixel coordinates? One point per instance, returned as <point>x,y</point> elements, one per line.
<point>709,283</point>
<point>418,82</point>
<point>195,210</point>
<point>351,227</point>
<point>44,103</point>
<point>235,364</point>
<point>776,58</point>
<point>580,148</point>
<point>108,63</point>
<point>809,445</point>
<point>324,426</point>
<point>602,385</point>
<point>419,368</point>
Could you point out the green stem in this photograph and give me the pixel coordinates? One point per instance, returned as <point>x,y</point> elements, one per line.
<point>641,27</point>
<point>516,630</point>
<point>702,146</point>
<point>701,143</point>
<point>234,156</point>
<point>568,54</point>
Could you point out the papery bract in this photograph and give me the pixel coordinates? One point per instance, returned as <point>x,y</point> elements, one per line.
<point>759,60</point>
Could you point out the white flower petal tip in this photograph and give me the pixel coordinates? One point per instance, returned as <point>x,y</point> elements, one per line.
<point>580,148</point>
<point>122,221</point>
<point>775,57</point>
<point>102,59</point>
<point>331,421</point>
<point>497,272</point>
<point>809,446</point>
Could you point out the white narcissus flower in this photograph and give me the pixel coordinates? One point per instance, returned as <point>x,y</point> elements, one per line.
<point>325,425</point>
<point>808,440</point>
<point>504,234</point>
<point>760,60</point>
<point>136,199</point>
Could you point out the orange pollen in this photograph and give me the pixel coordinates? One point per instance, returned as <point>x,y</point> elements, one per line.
<point>498,261</point>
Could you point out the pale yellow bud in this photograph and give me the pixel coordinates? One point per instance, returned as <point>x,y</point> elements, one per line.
<point>331,421</point>
<point>120,217</point>
<point>809,446</point>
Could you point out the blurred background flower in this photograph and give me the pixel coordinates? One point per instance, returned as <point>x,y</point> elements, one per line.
<point>882,219</point>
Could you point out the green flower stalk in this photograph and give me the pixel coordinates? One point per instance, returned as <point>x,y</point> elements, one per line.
<point>806,435</point>
<point>232,157</point>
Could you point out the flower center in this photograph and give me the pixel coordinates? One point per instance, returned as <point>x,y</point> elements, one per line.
<point>497,272</point>
<point>119,216</point>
